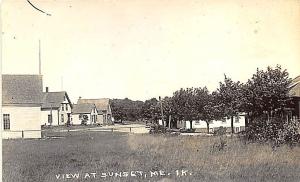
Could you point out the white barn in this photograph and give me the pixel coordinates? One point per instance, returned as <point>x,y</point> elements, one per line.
<point>56,108</point>
<point>80,111</point>
<point>21,106</point>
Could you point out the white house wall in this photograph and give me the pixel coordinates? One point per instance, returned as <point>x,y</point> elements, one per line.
<point>100,119</point>
<point>75,119</point>
<point>64,112</point>
<point>45,117</point>
<point>56,116</point>
<point>217,123</point>
<point>22,118</point>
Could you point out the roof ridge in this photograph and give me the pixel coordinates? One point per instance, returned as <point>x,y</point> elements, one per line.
<point>55,92</point>
<point>22,75</point>
<point>95,99</point>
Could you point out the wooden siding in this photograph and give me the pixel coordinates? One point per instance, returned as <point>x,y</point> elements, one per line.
<point>23,118</point>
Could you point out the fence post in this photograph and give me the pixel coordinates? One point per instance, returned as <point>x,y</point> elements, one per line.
<point>112,130</point>
<point>22,133</point>
<point>130,129</point>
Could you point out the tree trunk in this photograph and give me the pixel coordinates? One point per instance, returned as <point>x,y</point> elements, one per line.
<point>207,124</point>
<point>170,117</point>
<point>246,120</point>
<point>232,128</point>
<point>191,124</point>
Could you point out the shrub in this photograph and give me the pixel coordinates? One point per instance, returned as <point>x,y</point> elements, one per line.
<point>157,129</point>
<point>220,131</point>
<point>289,133</point>
<point>277,130</point>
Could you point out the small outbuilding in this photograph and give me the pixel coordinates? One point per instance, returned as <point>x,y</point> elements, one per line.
<point>103,108</point>
<point>84,114</point>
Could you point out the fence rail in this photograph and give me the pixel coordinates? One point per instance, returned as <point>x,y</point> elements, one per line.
<point>7,134</point>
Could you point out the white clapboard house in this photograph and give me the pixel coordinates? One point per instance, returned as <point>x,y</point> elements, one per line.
<point>84,113</point>
<point>56,108</point>
<point>201,126</point>
<point>103,108</point>
<point>21,106</point>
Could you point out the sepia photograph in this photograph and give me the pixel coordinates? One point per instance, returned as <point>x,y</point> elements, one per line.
<point>150,90</point>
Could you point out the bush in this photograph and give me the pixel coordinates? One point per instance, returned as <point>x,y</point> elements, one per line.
<point>220,131</point>
<point>84,119</point>
<point>276,130</point>
<point>289,133</point>
<point>157,129</point>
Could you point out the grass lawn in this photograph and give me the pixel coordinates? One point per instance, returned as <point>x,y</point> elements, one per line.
<point>171,158</point>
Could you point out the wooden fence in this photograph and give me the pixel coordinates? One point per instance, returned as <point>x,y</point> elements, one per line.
<point>8,134</point>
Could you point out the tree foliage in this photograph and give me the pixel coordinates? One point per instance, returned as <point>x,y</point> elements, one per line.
<point>267,91</point>
<point>150,110</point>
<point>126,109</point>
<point>230,98</point>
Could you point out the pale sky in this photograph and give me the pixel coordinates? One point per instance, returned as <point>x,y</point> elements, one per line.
<point>145,48</point>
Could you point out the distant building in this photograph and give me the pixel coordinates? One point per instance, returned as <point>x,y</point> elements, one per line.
<point>21,106</point>
<point>295,96</point>
<point>201,126</point>
<point>56,108</point>
<point>84,113</point>
<point>103,108</point>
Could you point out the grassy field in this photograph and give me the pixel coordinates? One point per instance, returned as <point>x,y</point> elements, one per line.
<point>171,158</point>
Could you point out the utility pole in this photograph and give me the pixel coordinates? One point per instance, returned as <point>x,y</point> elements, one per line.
<point>162,112</point>
<point>170,118</point>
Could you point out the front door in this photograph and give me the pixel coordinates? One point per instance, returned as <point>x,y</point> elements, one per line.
<point>69,118</point>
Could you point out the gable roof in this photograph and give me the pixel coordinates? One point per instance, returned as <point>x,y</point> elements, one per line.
<point>22,89</point>
<point>54,99</point>
<point>83,108</point>
<point>101,104</point>
<point>295,87</point>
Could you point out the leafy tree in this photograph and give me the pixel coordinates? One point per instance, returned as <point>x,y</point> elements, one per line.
<point>230,98</point>
<point>169,112</point>
<point>208,108</point>
<point>265,97</point>
<point>194,104</point>
<point>150,110</point>
<point>126,109</point>
<point>185,104</point>
<point>266,93</point>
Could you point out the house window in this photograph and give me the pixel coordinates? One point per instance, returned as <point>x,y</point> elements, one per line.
<point>6,121</point>
<point>237,119</point>
<point>49,118</point>
<point>67,107</point>
<point>62,107</point>
<point>62,118</point>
